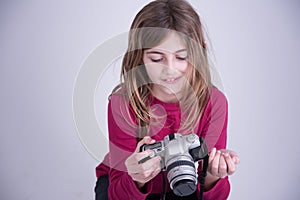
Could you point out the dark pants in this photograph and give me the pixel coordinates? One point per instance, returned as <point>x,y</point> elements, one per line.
<point>101,192</point>
<point>171,196</point>
<point>101,189</point>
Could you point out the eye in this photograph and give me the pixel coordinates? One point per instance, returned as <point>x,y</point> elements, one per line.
<point>156,60</point>
<point>181,58</point>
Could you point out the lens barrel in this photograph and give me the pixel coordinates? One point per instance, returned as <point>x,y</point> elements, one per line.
<point>184,187</point>
<point>182,176</point>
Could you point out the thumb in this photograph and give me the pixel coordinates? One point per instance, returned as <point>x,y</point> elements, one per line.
<point>145,140</point>
<point>234,156</point>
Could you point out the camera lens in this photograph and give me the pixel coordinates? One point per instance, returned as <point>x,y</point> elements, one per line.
<point>184,187</point>
<point>182,176</point>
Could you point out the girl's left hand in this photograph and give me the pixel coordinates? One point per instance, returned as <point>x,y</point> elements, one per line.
<point>222,162</point>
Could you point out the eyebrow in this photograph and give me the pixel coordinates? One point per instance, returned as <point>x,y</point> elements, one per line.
<point>160,53</point>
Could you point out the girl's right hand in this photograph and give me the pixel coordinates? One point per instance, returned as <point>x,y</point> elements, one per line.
<point>141,173</point>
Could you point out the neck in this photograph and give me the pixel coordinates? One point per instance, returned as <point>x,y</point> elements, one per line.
<point>168,98</point>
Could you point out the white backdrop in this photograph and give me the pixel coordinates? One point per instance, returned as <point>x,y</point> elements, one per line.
<point>44,43</point>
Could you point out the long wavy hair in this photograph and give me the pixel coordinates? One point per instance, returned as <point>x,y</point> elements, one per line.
<point>149,28</point>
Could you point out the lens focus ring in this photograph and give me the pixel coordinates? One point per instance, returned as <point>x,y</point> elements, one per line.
<point>180,163</point>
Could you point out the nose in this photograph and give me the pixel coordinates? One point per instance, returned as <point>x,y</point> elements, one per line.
<point>170,64</point>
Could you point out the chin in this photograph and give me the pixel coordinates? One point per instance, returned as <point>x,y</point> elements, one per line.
<point>171,92</point>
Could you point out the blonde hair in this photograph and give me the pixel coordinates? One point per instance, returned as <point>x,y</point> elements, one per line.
<point>150,26</point>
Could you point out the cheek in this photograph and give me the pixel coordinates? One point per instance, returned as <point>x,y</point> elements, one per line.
<point>152,71</point>
<point>183,67</point>
<point>180,68</point>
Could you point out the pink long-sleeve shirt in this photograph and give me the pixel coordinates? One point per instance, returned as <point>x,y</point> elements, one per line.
<point>122,135</point>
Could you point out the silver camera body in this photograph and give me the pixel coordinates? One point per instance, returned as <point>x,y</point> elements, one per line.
<point>179,154</point>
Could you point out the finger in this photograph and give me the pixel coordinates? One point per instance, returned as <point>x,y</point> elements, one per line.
<point>135,158</point>
<point>232,154</point>
<point>230,164</point>
<point>222,167</point>
<point>146,176</point>
<point>142,178</point>
<point>151,164</point>
<point>145,140</point>
<point>236,160</point>
<point>142,157</point>
<point>215,164</point>
<point>155,172</point>
<point>212,154</point>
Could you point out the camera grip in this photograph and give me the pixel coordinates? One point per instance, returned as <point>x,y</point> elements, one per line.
<point>147,157</point>
<point>142,147</point>
<point>144,159</point>
<point>154,147</point>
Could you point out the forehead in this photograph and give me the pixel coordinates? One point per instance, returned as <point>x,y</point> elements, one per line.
<point>171,43</point>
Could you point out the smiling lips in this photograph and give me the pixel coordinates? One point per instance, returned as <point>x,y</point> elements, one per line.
<point>170,80</point>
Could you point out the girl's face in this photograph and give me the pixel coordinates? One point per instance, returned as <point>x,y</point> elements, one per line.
<point>166,65</point>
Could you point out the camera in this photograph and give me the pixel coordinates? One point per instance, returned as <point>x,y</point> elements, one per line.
<point>179,154</point>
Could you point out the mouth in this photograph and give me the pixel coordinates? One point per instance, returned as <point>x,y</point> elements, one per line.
<point>171,80</point>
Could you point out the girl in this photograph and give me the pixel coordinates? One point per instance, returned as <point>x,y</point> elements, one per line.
<point>166,88</point>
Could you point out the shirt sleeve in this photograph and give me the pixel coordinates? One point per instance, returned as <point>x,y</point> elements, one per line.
<point>214,131</point>
<point>103,168</point>
<point>122,137</point>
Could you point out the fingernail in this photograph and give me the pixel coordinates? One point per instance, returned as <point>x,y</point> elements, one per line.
<point>226,154</point>
<point>236,160</point>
